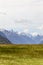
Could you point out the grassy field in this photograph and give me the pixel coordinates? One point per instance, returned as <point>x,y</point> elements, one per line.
<point>21,54</point>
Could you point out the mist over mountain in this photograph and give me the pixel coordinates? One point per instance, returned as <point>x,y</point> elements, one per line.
<point>22,38</point>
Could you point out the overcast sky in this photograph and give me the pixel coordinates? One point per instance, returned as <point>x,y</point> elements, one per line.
<point>22,15</point>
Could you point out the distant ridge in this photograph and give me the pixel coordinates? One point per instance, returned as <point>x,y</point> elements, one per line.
<point>21,38</point>
<point>41,42</point>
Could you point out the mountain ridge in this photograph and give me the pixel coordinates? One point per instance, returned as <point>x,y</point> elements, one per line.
<point>23,38</point>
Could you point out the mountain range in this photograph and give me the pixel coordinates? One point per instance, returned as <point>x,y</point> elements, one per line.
<point>22,38</point>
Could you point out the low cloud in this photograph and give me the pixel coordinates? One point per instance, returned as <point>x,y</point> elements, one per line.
<point>3,13</point>
<point>40,27</point>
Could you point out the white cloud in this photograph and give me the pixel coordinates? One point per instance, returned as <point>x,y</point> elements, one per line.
<point>26,31</point>
<point>40,27</point>
<point>31,10</point>
<point>34,34</point>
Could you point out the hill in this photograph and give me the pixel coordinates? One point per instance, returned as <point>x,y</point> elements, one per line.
<point>3,38</point>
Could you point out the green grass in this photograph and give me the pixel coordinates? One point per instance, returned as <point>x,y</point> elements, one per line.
<point>21,54</point>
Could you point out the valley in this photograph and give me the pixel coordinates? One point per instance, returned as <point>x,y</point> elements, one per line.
<point>13,54</point>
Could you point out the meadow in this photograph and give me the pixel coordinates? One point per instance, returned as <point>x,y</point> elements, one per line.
<point>12,54</point>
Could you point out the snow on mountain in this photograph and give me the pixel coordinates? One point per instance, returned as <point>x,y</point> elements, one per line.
<point>14,37</point>
<point>22,38</point>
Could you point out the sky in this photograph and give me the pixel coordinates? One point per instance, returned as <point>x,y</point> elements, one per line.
<point>22,16</point>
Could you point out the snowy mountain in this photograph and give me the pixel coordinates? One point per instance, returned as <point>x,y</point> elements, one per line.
<point>38,38</point>
<point>14,37</point>
<point>22,38</point>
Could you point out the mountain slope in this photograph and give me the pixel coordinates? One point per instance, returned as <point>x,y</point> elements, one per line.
<point>22,38</point>
<point>38,38</point>
<point>3,38</point>
<point>41,42</point>
<point>14,37</point>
